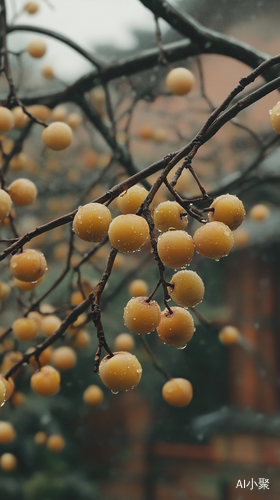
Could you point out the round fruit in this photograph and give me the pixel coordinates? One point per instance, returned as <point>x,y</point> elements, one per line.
<point>138,288</point>
<point>26,287</point>
<point>55,443</point>
<point>5,204</point>
<point>259,212</point>
<point>213,240</point>
<point>93,395</point>
<point>74,120</point>
<point>22,192</point>
<point>175,248</point>
<point>129,201</point>
<point>36,48</point>
<point>8,462</point>
<point>20,118</point>
<point>40,111</point>
<point>81,339</point>
<point>47,71</point>
<point>44,357</point>
<point>2,393</point>
<point>6,119</point>
<point>128,233</point>
<point>64,358</point>
<point>4,290</point>
<point>188,289</point>
<point>40,438</point>
<point>241,237</point>
<point>176,328</point>
<point>229,210</point>
<point>179,81</point>
<point>229,335</point>
<point>168,214</point>
<point>25,328</point>
<point>9,386</point>
<point>121,372</point>
<point>91,222</point>
<point>177,392</point>
<point>30,265</point>
<point>124,342</point>
<point>18,162</point>
<point>46,381</point>
<point>50,324</point>
<point>17,398</point>
<point>274,115</point>
<point>141,315</point>
<point>57,136</point>
<point>31,7</point>
<point>59,114</point>
<point>7,432</point>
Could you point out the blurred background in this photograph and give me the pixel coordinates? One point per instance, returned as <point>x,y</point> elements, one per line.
<point>226,444</point>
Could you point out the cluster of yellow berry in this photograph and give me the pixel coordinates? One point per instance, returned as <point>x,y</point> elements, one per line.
<point>128,232</point>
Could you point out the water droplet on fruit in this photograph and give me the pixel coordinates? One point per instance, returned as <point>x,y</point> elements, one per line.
<point>115,392</point>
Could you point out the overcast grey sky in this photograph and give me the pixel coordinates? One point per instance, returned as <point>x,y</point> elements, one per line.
<point>87,22</point>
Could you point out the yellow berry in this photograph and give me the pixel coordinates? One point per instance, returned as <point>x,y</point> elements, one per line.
<point>28,266</point>
<point>17,398</point>
<point>180,81</point>
<point>55,443</point>
<point>36,48</point>
<point>44,357</point>
<point>2,393</point>
<point>138,288</point>
<point>81,339</point>
<point>128,233</point>
<point>26,287</point>
<point>20,118</point>
<point>6,119</point>
<point>188,288</point>
<point>7,432</point>
<point>168,214</point>
<point>31,7</point>
<point>40,438</point>
<point>49,324</point>
<point>47,71</point>
<point>241,237</point>
<point>59,114</point>
<point>141,315</point>
<point>274,115</point>
<point>259,212</point>
<point>93,395</point>
<point>4,290</point>
<point>25,328</point>
<point>121,372</point>
<point>74,120</point>
<point>229,210</point>
<point>176,328</point>
<point>5,204</point>
<point>229,335</point>
<point>177,392</point>
<point>46,381</point>
<point>22,192</point>
<point>213,240</point>
<point>9,386</point>
<point>124,342</point>
<point>91,222</point>
<point>175,248</point>
<point>57,136</point>
<point>40,111</point>
<point>64,358</point>
<point>8,462</point>
<point>129,201</point>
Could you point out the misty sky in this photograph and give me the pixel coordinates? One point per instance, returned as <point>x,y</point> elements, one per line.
<point>87,22</point>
